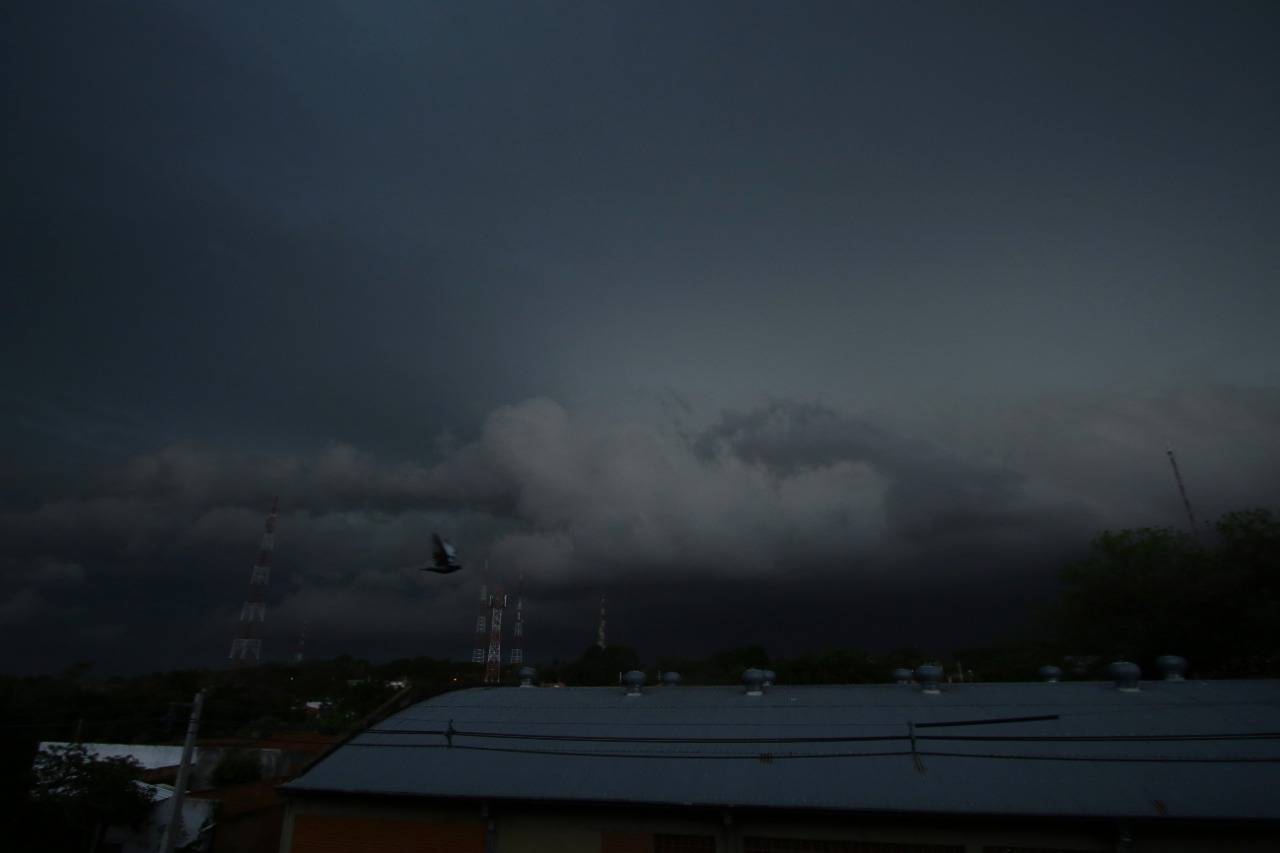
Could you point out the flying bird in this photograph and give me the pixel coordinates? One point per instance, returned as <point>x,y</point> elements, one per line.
<point>444,557</point>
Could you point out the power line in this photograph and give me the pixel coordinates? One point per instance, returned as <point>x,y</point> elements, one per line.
<point>588,738</point>
<point>1139,759</point>
<point>633,739</point>
<point>676,754</point>
<point>767,757</point>
<point>795,706</point>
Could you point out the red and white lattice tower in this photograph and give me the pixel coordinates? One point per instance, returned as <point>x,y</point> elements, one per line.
<point>493,659</point>
<point>246,648</point>
<point>517,630</point>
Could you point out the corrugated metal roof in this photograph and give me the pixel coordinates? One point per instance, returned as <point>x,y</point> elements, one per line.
<point>1190,749</point>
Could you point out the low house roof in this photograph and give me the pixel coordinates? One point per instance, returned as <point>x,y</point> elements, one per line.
<point>241,799</point>
<point>1191,749</point>
<point>149,756</point>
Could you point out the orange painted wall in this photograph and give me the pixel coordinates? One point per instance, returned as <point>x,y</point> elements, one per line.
<point>626,842</point>
<point>313,833</point>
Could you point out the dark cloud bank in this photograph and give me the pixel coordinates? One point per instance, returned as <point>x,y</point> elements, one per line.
<point>235,235</point>
<point>791,524</point>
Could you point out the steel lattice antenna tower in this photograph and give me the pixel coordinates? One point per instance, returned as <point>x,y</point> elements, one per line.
<point>493,660</point>
<point>517,630</point>
<point>600,630</point>
<point>482,625</point>
<point>1182,490</point>
<point>302,644</point>
<point>246,648</point>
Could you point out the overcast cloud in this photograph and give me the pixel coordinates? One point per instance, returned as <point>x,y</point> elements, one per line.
<point>807,324</point>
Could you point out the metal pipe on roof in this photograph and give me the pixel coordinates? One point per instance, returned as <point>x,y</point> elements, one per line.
<point>1126,675</point>
<point>928,675</point>
<point>1051,674</point>
<point>634,681</point>
<point>1173,667</point>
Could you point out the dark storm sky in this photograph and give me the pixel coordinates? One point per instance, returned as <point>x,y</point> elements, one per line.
<point>807,324</point>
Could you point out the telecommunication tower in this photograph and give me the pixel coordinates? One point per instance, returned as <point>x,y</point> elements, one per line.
<point>600,630</point>
<point>482,626</point>
<point>493,659</point>
<point>517,630</point>
<point>246,648</point>
<point>300,652</point>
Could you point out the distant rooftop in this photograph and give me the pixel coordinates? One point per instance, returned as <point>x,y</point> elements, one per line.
<point>150,756</point>
<point>1192,749</point>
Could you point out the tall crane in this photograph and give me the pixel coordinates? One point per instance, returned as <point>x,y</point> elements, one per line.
<point>1182,490</point>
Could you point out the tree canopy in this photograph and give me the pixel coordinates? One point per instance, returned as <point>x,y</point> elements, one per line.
<point>1145,592</point>
<point>76,795</point>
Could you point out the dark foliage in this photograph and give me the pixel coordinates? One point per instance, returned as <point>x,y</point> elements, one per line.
<point>1152,591</point>
<point>599,666</point>
<point>75,796</point>
<point>236,767</point>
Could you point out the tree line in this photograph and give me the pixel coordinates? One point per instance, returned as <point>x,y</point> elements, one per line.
<point>1212,596</point>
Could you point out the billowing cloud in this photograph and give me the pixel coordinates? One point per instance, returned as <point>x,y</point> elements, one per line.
<point>786,497</point>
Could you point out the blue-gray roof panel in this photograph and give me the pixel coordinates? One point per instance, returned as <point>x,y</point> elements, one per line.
<point>1185,752</point>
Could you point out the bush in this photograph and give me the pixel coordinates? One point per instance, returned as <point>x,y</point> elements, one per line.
<point>236,767</point>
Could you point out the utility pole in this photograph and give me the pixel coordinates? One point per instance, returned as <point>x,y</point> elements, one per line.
<point>184,771</point>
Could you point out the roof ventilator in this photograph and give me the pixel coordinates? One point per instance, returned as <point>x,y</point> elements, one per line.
<point>671,679</point>
<point>769,678</point>
<point>928,676</point>
<point>1173,667</point>
<point>1051,674</point>
<point>902,675</point>
<point>527,675</point>
<point>754,680</point>
<point>634,681</point>
<point>1126,675</point>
